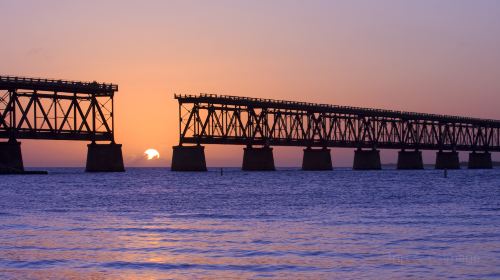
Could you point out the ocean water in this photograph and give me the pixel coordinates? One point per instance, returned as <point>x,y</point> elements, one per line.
<point>150,223</point>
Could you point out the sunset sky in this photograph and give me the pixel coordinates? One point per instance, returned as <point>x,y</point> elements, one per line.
<point>425,56</point>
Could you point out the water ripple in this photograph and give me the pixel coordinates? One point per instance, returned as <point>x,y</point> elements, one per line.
<point>154,224</point>
<point>185,266</point>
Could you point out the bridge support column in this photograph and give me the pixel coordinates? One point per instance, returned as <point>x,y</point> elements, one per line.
<point>480,161</point>
<point>317,159</point>
<point>104,158</point>
<point>188,158</point>
<point>367,160</point>
<point>447,160</point>
<point>410,160</point>
<point>258,159</point>
<point>11,160</point>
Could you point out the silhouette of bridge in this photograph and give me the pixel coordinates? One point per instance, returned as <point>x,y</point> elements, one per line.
<point>35,108</point>
<point>222,119</point>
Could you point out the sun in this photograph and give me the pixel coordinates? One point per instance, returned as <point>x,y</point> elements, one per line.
<point>152,154</point>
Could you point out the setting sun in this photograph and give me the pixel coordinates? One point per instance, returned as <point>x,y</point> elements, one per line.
<point>152,154</point>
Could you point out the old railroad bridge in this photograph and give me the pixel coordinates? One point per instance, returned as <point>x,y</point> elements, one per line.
<point>34,108</point>
<point>260,124</point>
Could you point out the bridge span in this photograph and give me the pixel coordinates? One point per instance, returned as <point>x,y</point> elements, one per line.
<point>260,124</point>
<point>35,108</point>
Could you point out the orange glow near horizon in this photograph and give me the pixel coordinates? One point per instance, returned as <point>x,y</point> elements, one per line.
<point>423,56</point>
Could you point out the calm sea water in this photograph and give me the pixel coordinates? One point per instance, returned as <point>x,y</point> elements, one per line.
<point>289,224</point>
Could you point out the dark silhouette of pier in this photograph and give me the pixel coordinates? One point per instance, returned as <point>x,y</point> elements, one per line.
<point>35,108</point>
<point>259,124</point>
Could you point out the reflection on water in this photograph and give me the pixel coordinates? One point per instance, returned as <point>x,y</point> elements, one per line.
<point>154,224</point>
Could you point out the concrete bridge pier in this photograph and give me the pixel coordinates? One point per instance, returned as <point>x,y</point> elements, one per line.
<point>447,160</point>
<point>317,159</point>
<point>11,159</point>
<point>480,161</point>
<point>258,159</point>
<point>104,158</point>
<point>367,160</point>
<point>410,160</point>
<point>188,158</point>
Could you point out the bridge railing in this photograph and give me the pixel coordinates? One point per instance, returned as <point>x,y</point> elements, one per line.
<point>7,82</point>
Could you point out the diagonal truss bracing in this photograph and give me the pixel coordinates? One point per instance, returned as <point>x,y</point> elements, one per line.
<point>214,119</point>
<point>55,109</point>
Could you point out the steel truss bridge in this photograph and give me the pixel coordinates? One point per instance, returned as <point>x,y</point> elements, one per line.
<point>34,108</point>
<point>223,119</point>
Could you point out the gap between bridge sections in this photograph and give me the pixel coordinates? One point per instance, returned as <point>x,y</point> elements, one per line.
<point>260,124</point>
